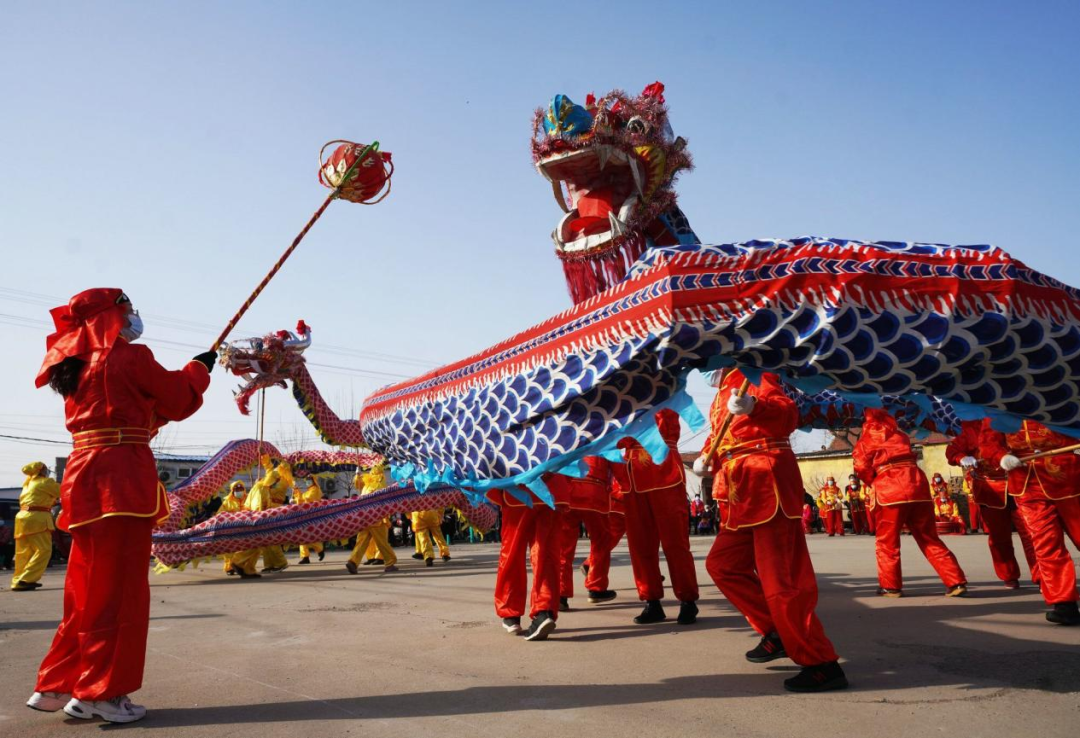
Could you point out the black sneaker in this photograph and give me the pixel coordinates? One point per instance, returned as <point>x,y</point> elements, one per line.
<point>601,595</point>
<point>418,556</point>
<point>1064,613</point>
<point>820,678</point>
<point>541,626</point>
<point>231,572</point>
<point>322,555</point>
<point>653,613</point>
<point>244,575</point>
<point>369,562</point>
<point>446,558</point>
<point>352,567</point>
<point>769,649</point>
<point>564,604</point>
<point>584,569</point>
<point>304,560</point>
<point>687,613</point>
<point>376,562</point>
<point>512,626</point>
<point>429,562</point>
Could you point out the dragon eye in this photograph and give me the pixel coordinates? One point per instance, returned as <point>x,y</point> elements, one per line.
<point>637,124</point>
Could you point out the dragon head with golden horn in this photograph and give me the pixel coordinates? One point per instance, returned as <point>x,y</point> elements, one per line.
<point>612,165</point>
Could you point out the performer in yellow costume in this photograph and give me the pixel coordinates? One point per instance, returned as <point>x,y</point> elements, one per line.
<point>427,524</point>
<point>377,534</point>
<point>33,527</point>
<point>269,492</point>
<point>312,494</point>
<point>232,502</point>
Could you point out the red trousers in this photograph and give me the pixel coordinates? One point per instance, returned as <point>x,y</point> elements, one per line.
<point>599,559</point>
<point>975,514</point>
<point>100,647</point>
<point>1048,522</point>
<point>858,522</point>
<point>660,518</point>
<point>834,522</point>
<point>596,524</point>
<point>999,528</point>
<point>537,527</point>
<point>765,572</point>
<point>919,519</point>
<point>871,521</point>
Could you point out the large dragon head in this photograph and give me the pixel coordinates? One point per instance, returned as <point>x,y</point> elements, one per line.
<point>612,165</point>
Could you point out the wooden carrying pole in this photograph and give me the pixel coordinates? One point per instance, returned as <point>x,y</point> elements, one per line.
<point>1051,452</point>
<point>724,427</point>
<point>374,146</point>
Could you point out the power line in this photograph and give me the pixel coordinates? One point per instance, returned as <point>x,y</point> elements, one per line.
<point>36,298</point>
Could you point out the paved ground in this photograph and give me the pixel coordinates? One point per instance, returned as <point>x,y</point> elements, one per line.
<point>314,651</point>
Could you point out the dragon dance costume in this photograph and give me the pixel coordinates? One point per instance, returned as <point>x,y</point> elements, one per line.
<point>588,503</point>
<point>759,560</point>
<point>111,497</point>
<point>884,459</point>
<point>312,494</point>
<point>1047,493</point>
<point>997,509</point>
<point>534,529</point>
<point>946,511</point>
<point>268,493</point>
<point>427,527</point>
<point>856,497</point>
<point>232,502</point>
<point>658,516</point>
<point>832,506</point>
<point>377,535</point>
<point>33,527</point>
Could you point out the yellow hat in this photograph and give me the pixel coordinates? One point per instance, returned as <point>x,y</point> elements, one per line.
<point>236,485</point>
<point>34,468</point>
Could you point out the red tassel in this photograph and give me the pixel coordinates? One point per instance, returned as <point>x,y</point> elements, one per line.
<point>590,275</point>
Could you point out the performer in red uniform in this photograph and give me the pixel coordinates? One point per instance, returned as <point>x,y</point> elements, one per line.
<point>116,397</point>
<point>947,518</point>
<point>532,531</point>
<point>658,515</point>
<point>597,565</point>
<point>857,505</point>
<point>588,502</point>
<point>833,504</point>
<point>883,458</point>
<point>759,559</point>
<point>1047,492</point>
<point>993,504</point>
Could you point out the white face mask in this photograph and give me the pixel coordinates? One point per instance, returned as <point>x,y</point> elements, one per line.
<point>134,327</point>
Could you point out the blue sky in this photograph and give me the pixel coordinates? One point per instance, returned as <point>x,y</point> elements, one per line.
<point>170,150</point>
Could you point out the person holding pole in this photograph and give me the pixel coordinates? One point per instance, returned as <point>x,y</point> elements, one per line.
<point>759,560</point>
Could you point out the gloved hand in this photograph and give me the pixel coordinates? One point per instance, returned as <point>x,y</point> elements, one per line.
<point>699,465</point>
<point>1010,462</point>
<point>968,462</point>
<point>207,359</point>
<point>737,405</point>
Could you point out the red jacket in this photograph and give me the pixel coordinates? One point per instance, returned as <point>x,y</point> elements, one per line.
<point>757,475</point>
<point>123,388</point>
<point>987,482</point>
<point>1053,477</point>
<point>590,492</point>
<point>883,458</point>
<point>639,474</point>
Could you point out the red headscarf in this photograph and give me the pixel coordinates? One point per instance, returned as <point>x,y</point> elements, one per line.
<point>90,322</point>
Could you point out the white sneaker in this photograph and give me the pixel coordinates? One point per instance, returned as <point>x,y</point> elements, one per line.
<point>117,710</point>
<point>48,701</point>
